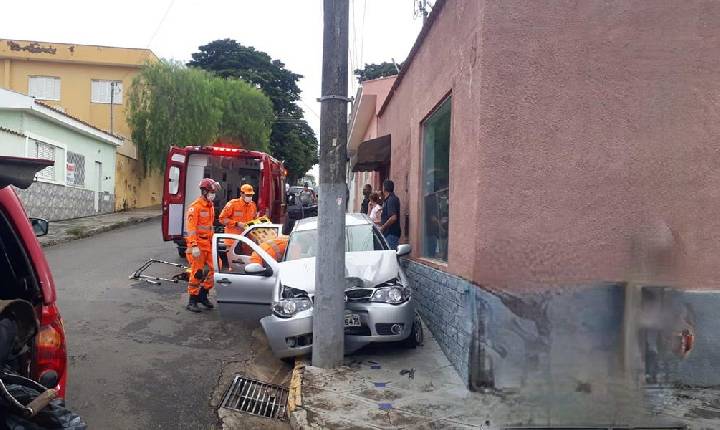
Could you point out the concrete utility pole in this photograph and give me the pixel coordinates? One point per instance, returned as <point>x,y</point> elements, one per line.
<point>329,306</point>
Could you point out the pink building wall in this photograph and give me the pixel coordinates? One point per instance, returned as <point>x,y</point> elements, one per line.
<point>380,88</point>
<point>583,140</point>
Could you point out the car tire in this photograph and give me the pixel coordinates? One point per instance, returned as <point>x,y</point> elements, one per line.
<point>417,336</point>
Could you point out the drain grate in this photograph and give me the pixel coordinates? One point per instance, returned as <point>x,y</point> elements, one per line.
<point>256,398</point>
<point>612,427</point>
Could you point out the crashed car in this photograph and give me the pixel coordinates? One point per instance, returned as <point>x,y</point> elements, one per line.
<point>379,305</point>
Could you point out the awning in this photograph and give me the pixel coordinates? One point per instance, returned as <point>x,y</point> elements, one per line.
<point>372,154</point>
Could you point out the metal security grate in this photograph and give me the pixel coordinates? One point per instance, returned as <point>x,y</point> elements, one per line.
<point>612,427</point>
<point>256,398</point>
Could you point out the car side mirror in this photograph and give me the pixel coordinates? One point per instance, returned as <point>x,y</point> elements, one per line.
<point>257,269</point>
<point>403,250</point>
<point>40,226</point>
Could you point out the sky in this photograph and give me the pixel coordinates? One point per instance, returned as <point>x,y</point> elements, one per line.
<point>288,30</point>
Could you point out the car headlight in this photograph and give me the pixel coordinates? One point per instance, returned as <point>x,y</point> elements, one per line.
<point>393,295</point>
<point>286,308</point>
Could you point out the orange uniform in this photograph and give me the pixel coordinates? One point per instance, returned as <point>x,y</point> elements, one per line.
<point>274,247</point>
<point>199,225</point>
<point>237,211</point>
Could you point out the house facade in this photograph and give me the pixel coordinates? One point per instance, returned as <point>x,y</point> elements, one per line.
<point>369,153</point>
<point>558,180</point>
<point>90,83</point>
<point>82,181</point>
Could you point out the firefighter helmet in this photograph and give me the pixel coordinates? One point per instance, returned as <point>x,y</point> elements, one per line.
<point>209,184</point>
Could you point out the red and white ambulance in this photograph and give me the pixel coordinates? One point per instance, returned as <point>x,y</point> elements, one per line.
<point>232,167</point>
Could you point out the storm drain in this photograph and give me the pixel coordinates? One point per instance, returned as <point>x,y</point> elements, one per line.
<point>599,428</point>
<point>256,398</point>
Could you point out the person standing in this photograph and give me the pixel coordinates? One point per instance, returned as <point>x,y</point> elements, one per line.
<point>390,217</point>
<point>364,206</point>
<point>375,208</point>
<point>199,221</point>
<point>239,211</point>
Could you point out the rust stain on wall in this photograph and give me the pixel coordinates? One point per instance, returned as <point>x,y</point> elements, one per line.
<point>32,47</point>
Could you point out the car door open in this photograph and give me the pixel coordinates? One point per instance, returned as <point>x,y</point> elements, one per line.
<point>244,289</point>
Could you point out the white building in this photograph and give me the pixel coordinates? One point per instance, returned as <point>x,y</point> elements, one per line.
<point>82,181</point>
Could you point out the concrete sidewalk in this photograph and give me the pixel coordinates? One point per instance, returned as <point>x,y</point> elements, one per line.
<point>388,387</point>
<point>65,231</point>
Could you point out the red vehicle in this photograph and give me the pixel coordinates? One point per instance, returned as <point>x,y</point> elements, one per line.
<point>26,274</point>
<point>231,167</point>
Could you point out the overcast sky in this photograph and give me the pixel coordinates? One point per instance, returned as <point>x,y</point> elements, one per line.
<point>288,30</point>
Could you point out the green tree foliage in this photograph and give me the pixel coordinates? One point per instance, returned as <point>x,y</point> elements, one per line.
<point>170,104</point>
<point>292,140</point>
<point>375,71</point>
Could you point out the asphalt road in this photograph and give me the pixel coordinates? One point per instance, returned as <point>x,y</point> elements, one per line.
<point>137,358</point>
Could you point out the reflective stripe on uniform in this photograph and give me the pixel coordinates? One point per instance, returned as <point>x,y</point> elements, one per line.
<point>205,227</point>
<point>190,233</point>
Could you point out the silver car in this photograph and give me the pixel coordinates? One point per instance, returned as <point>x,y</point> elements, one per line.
<point>379,306</point>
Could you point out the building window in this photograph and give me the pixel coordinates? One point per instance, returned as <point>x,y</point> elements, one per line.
<point>44,87</point>
<point>47,152</point>
<point>105,91</point>
<point>75,172</point>
<point>436,183</point>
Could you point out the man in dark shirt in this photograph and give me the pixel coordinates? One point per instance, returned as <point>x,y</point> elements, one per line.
<point>390,218</point>
<point>367,190</point>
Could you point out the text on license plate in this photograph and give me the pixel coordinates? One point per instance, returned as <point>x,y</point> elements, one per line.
<point>352,320</point>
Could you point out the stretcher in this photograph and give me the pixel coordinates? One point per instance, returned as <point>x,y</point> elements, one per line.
<point>184,276</point>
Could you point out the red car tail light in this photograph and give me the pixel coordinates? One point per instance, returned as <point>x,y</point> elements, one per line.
<point>50,352</point>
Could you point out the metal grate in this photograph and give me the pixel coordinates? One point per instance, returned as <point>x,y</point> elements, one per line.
<point>256,398</point>
<point>612,427</point>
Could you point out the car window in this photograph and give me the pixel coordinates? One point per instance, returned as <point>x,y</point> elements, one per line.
<point>18,275</point>
<point>303,244</point>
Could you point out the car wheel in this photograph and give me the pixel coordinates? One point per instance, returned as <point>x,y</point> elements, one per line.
<point>417,336</point>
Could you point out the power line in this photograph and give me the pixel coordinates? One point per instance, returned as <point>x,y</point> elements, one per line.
<point>310,109</point>
<point>162,21</point>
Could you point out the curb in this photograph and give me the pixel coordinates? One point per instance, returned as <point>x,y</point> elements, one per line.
<point>98,230</point>
<point>296,414</point>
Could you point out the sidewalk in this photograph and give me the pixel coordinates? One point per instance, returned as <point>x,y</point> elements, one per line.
<point>388,387</point>
<point>65,231</point>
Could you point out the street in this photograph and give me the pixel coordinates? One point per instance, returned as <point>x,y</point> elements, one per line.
<point>137,358</point>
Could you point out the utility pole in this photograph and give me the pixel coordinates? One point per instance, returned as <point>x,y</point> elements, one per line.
<point>329,306</point>
<point>112,102</point>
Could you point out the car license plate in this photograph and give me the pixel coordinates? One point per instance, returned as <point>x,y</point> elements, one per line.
<point>352,320</point>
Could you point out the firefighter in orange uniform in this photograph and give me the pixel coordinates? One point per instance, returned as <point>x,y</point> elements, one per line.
<point>199,223</point>
<point>237,212</point>
<point>274,247</point>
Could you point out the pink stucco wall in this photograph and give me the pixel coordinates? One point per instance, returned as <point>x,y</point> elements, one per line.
<point>380,88</point>
<point>583,139</point>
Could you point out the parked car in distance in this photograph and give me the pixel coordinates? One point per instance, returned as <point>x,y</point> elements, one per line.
<point>379,304</point>
<point>26,275</point>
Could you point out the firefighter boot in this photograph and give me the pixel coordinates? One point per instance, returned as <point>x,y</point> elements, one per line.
<point>192,305</point>
<point>203,299</point>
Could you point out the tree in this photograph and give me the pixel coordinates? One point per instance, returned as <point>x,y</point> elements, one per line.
<point>375,71</point>
<point>292,140</point>
<point>170,104</point>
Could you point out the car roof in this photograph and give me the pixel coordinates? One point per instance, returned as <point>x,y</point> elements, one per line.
<point>351,219</point>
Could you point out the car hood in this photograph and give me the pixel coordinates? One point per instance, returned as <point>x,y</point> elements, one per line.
<point>372,267</point>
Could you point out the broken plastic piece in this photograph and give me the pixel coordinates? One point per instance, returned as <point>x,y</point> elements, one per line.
<point>385,406</point>
<point>409,372</point>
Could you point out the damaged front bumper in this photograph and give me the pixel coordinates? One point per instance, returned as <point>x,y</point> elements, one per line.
<point>379,322</point>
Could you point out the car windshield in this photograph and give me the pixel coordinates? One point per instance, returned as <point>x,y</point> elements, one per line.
<point>303,244</point>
